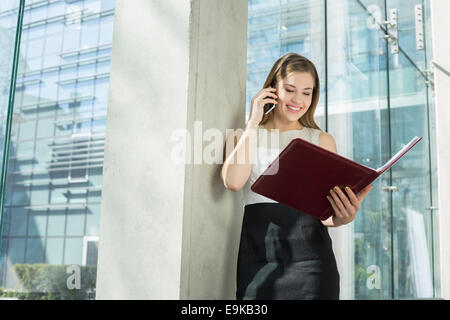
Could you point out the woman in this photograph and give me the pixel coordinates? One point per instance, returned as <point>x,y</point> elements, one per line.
<point>285,253</point>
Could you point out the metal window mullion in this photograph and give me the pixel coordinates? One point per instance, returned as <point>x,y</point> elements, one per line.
<point>390,178</point>
<point>57,169</point>
<point>64,143</point>
<point>79,157</point>
<point>430,164</point>
<point>9,115</point>
<point>70,162</point>
<point>78,150</point>
<point>79,52</point>
<point>78,144</point>
<point>33,106</point>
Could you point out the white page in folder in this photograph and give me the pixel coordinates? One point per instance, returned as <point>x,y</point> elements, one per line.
<point>399,154</point>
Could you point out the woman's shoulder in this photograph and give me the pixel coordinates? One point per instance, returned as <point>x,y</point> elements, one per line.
<point>326,140</point>
<point>324,135</point>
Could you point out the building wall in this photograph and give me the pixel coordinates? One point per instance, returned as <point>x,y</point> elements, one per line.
<point>212,214</point>
<point>170,230</point>
<point>142,196</point>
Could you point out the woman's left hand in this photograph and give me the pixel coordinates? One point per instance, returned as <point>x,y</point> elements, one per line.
<point>344,207</point>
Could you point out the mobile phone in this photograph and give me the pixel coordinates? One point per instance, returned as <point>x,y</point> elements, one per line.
<point>268,107</point>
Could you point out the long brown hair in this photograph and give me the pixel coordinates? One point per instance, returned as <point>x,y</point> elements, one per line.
<point>285,65</point>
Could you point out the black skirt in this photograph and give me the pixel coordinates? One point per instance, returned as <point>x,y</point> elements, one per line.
<point>285,254</point>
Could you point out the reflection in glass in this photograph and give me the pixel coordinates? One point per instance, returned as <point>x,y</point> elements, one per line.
<point>51,216</point>
<point>277,27</point>
<point>9,11</point>
<point>376,101</point>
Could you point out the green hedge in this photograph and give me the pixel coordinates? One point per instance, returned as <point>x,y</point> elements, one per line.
<point>49,282</point>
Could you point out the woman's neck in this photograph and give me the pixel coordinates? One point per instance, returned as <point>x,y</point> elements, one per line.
<point>274,123</point>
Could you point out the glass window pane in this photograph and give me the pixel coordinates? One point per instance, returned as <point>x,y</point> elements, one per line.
<point>35,251</point>
<point>16,250</point>
<point>54,251</point>
<point>93,220</point>
<point>75,222</point>
<point>371,100</point>
<point>37,223</point>
<point>51,150</point>
<point>56,223</point>
<point>18,221</point>
<point>73,251</point>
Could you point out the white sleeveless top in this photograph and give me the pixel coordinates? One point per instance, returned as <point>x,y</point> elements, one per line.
<point>269,145</point>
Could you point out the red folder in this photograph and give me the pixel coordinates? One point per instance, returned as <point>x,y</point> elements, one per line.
<point>303,174</point>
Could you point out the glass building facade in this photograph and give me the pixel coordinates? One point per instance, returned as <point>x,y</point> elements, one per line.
<point>51,213</point>
<point>376,95</point>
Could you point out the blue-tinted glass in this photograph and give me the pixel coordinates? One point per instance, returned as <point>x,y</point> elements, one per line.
<point>67,90</point>
<point>368,100</point>
<point>21,197</point>
<point>103,67</point>
<point>107,5</point>
<point>35,251</point>
<point>16,250</point>
<point>43,152</point>
<point>5,224</point>
<point>71,38</point>
<point>275,28</point>
<point>54,251</point>
<point>95,174</point>
<point>53,43</point>
<point>75,220</point>
<point>92,220</point>
<point>38,14</point>
<point>45,128</point>
<point>106,27</point>
<point>85,89</point>
<point>34,32</point>
<point>89,34</point>
<point>37,223</point>
<point>99,126</point>
<point>58,195</point>
<point>101,92</point>
<point>35,47</point>
<point>56,223</point>
<point>93,6</point>
<point>60,100</point>
<point>3,250</point>
<point>73,251</point>
<point>39,195</point>
<point>56,9</point>
<point>49,88</point>
<point>18,222</point>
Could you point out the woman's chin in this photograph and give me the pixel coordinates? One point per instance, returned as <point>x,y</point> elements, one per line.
<point>293,117</point>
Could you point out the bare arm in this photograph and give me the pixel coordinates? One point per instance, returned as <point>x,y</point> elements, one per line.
<point>240,147</point>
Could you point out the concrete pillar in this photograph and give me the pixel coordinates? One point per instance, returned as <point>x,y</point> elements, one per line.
<point>441,56</point>
<point>170,230</point>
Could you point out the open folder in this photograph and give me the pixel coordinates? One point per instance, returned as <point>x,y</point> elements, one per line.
<point>303,174</point>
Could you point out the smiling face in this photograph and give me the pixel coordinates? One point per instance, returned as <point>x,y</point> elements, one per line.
<point>295,93</point>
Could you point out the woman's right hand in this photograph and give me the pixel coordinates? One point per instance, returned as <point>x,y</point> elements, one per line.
<point>264,96</point>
